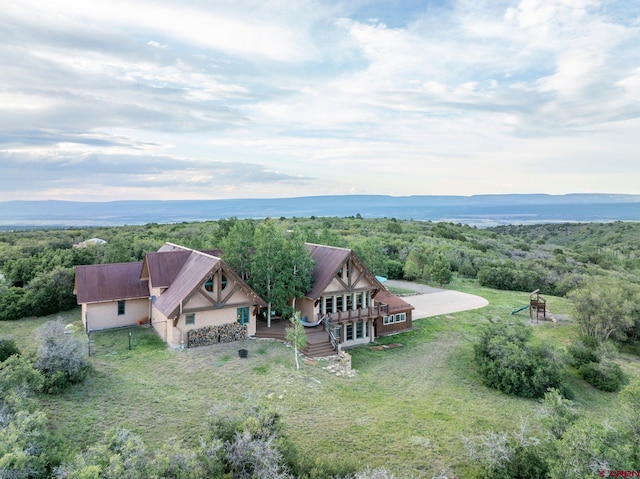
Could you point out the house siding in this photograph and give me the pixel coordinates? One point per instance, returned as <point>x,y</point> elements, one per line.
<point>97,316</point>
<point>384,329</point>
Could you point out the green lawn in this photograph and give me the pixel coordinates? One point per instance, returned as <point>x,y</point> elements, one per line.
<point>407,408</point>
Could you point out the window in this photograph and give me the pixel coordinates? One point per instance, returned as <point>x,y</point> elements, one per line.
<point>387,320</point>
<point>349,302</point>
<point>190,318</point>
<point>223,282</point>
<point>366,329</point>
<point>208,285</point>
<point>359,329</point>
<point>328,304</point>
<point>401,317</point>
<point>121,307</point>
<point>349,335</point>
<point>339,302</point>
<point>242,315</point>
<point>359,300</point>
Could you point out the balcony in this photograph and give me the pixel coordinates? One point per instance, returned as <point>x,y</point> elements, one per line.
<point>363,314</point>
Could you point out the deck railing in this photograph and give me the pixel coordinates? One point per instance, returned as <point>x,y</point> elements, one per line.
<point>335,342</point>
<point>357,314</point>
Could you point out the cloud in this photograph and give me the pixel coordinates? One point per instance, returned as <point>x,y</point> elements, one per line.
<point>246,98</point>
<point>45,170</point>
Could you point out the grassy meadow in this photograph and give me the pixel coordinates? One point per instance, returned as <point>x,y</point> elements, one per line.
<point>407,408</point>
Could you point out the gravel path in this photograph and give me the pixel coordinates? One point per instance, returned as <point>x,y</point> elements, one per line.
<point>434,301</point>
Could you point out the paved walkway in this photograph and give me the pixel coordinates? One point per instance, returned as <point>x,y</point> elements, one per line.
<point>434,301</point>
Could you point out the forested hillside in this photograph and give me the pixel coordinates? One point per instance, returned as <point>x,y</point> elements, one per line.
<point>37,265</point>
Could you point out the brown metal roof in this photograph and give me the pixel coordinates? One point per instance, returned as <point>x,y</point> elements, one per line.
<point>162,268</point>
<point>180,270</point>
<point>109,282</point>
<point>194,271</point>
<point>395,303</point>
<point>217,252</point>
<point>328,261</point>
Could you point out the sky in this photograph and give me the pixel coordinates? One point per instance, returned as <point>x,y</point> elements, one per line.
<point>190,99</point>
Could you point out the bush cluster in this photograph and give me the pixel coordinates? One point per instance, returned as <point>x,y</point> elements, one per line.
<point>509,363</point>
<point>7,348</point>
<point>238,442</point>
<point>589,357</point>
<point>61,357</point>
<point>604,375</point>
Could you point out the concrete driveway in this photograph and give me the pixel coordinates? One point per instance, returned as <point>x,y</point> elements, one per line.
<point>434,301</point>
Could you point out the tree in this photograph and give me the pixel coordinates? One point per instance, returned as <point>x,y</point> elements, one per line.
<point>417,260</point>
<point>13,303</point>
<point>280,268</point>
<point>51,292</point>
<point>440,269</point>
<point>300,266</point>
<point>604,307</point>
<point>20,271</point>
<point>237,247</point>
<point>268,273</point>
<point>296,336</point>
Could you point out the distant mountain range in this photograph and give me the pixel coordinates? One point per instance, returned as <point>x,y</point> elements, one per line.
<point>479,210</point>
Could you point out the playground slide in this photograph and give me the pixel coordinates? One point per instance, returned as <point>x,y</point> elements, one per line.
<point>517,310</point>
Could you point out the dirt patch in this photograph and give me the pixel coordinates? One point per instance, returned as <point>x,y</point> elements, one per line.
<point>386,346</point>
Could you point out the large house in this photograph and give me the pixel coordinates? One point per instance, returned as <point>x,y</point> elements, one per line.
<point>352,302</point>
<point>193,298</point>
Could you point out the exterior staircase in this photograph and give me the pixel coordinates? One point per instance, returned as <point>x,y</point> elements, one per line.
<point>318,344</point>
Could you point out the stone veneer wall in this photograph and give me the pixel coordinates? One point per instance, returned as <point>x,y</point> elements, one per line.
<point>224,333</point>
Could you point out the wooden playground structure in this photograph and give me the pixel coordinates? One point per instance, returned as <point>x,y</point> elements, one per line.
<point>537,307</point>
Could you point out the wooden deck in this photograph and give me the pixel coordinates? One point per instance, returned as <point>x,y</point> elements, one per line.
<point>318,344</point>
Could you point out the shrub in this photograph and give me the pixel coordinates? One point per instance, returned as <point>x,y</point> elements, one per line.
<point>51,292</point>
<point>60,357</point>
<point>558,414</point>
<point>13,304</point>
<point>509,364</point>
<point>605,375</point>
<point>18,375</point>
<point>7,348</point>
<point>583,351</point>
<point>508,456</point>
<point>24,441</point>
<point>588,447</point>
